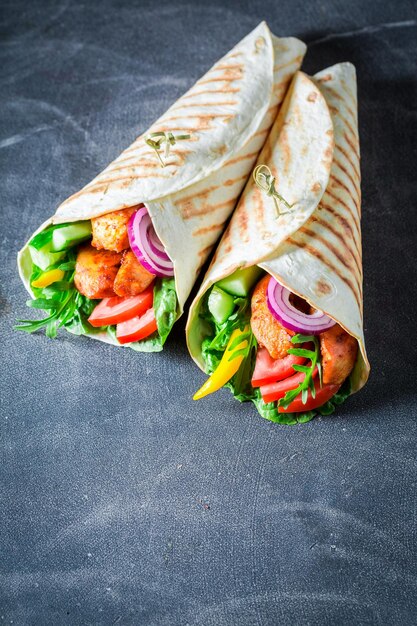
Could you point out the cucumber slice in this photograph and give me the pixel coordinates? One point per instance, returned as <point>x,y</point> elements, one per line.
<point>44,257</point>
<point>65,237</point>
<point>220,304</point>
<point>240,282</point>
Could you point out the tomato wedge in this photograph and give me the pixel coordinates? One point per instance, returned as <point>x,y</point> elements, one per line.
<point>322,395</point>
<point>115,310</point>
<point>137,328</point>
<point>269,370</point>
<point>277,390</point>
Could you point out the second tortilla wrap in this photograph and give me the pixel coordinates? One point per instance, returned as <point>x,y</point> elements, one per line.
<point>314,250</point>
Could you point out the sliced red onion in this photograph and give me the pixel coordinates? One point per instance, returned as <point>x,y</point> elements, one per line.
<point>146,245</point>
<point>279,304</point>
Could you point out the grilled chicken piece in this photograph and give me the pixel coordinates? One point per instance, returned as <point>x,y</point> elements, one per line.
<point>95,271</point>
<point>110,230</point>
<point>338,354</point>
<point>267,330</point>
<point>132,278</point>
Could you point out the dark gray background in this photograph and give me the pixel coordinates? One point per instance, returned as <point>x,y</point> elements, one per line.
<point>123,502</point>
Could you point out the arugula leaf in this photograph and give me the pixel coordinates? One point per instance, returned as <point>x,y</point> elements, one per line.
<point>307,384</point>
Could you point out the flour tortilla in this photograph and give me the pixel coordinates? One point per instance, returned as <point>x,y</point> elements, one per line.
<point>228,114</point>
<point>315,250</point>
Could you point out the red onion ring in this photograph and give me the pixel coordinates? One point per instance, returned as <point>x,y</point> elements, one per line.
<point>146,245</point>
<point>278,298</point>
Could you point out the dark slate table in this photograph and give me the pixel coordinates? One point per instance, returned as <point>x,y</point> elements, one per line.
<point>122,501</point>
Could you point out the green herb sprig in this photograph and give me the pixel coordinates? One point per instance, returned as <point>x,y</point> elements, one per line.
<point>156,140</point>
<point>308,381</point>
<point>263,178</point>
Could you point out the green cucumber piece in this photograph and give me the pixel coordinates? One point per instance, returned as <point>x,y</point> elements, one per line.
<point>240,282</point>
<point>44,257</point>
<point>65,237</point>
<point>220,304</point>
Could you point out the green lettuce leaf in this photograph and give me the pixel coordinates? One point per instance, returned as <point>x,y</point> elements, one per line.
<point>165,304</point>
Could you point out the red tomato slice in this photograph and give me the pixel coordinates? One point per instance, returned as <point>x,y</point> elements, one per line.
<point>322,395</point>
<point>115,310</point>
<point>137,328</point>
<point>269,370</point>
<point>275,391</point>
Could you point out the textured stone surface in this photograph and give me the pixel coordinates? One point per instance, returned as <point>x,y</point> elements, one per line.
<point>122,501</point>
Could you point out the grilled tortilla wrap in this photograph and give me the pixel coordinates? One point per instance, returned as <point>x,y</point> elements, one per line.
<point>314,249</point>
<point>227,115</point>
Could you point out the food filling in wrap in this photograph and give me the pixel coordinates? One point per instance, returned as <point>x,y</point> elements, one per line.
<point>270,346</point>
<point>109,274</point>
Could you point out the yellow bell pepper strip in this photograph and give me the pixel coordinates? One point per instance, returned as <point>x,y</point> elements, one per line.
<point>227,368</point>
<point>47,278</point>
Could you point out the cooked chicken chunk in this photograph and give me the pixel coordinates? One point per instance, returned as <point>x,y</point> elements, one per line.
<point>267,330</point>
<point>110,230</point>
<point>338,351</point>
<point>132,278</point>
<point>95,271</point>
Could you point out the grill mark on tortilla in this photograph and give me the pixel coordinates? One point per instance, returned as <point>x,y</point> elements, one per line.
<point>336,182</point>
<point>118,179</point>
<point>242,218</point>
<point>151,164</point>
<point>207,91</point>
<point>352,96</point>
<point>283,82</point>
<point>351,144</point>
<point>203,104</point>
<point>259,133</point>
<point>205,251</point>
<point>343,242</point>
<point>243,157</point>
<point>206,192</point>
<point>147,154</point>
<point>233,181</point>
<point>206,208</point>
<point>350,161</point>
<point>336,112</point>
<point>224,79</point>
<point>345,224</point>
<point>259,208</point>
<point>199,116</point>
<point>337,96</point>
<point>295,60</point>
<point>353,215</point>
<point>236,66</point>
<point>345,171</point>
<point>316,253</point>
<point>208,229</point>
<point>225,243</point>
<point>345,262</point>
